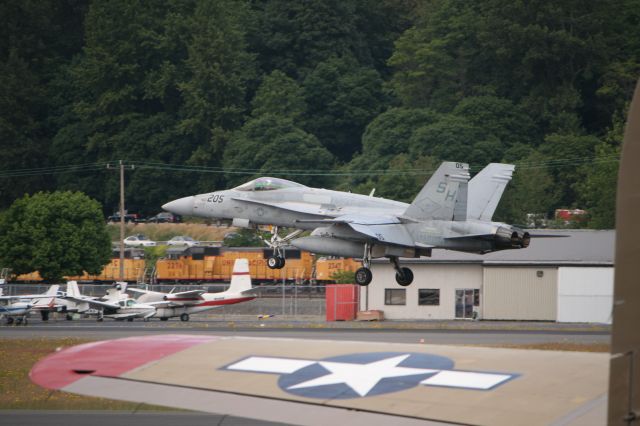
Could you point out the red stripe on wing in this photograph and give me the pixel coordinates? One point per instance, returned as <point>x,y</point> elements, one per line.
<point>110,358</point>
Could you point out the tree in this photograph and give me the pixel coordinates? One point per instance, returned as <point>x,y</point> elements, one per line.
<point>279,95</point>
<point>342,98</point>
<point>56,234</point>
<point>272,143</point>
<point>294,37</point>
<point>38,39</point>
<point>386,137</point>
<point>532,190</point>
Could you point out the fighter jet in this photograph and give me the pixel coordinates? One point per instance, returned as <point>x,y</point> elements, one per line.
<point>450,212</point>
<point>185,303</point>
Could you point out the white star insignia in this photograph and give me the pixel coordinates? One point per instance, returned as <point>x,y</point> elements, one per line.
<point>362,377</point>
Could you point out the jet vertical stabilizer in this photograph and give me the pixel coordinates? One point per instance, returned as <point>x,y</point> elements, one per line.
<point>437,199</point>
<point>241,279</point>
<point>486,189</point>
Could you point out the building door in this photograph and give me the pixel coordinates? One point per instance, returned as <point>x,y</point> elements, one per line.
<point>464,304</point>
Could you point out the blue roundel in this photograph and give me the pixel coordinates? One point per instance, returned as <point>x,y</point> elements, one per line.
<point>316,381</point>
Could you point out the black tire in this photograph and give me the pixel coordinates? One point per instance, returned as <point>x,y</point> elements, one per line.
<point>9,320</point>
<point>69,317</point>
<point>44,315</point>
<point>164,319</point>
<point>363,276</point>
<point>184,317</point>
<point>273,262</point>
<point>281,262</point>
<point>405,278</point>
<point>130,319</point>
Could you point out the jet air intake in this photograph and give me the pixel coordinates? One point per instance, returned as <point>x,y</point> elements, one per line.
<point>507,237</point>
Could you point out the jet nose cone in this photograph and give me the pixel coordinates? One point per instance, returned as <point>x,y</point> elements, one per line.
<point>181,206</point>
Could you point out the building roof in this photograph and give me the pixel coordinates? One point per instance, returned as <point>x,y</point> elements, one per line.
<point>580,247</point>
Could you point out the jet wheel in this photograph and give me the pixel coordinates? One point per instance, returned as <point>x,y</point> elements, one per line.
<point>363,276</point>
<point>405,278</point>
<point>273,262</point>
<point>184,317</point>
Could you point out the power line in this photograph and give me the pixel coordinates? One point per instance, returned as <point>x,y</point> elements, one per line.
<point>147,165</point>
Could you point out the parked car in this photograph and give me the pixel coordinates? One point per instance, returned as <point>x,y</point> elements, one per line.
<point>128,218</point>
<point>139,240</point>
<point>183,240</point>
<point>165,217</point>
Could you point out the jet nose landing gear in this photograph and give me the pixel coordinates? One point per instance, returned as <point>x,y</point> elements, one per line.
<point>275,262</point>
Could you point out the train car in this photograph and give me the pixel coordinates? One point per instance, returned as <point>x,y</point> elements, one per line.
<point>210,264</point>
<point>327,267</point>
<point>134,267</point>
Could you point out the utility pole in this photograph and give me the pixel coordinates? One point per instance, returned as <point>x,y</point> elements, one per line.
<point>122,210</point>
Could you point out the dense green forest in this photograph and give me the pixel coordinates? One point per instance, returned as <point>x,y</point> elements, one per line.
<point>349,94</point>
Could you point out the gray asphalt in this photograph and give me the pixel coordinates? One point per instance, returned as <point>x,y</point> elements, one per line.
<point>120,418</point>
<point>471,335</point>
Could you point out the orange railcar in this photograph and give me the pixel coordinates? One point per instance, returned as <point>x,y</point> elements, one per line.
<point>325,268</point>
<point>199,264</point>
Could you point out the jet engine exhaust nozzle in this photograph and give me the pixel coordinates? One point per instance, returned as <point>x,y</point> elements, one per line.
<point>509,238</point>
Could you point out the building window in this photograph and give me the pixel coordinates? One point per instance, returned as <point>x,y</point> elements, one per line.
<point>429,296</point>
<point>395,296</point>
<point>476,297</point>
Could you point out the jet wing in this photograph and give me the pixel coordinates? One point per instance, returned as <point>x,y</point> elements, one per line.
<point>304,208</point>
<point>386,229</point>
<point>311,382</point>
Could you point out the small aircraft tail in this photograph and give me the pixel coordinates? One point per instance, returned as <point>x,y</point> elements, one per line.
<point>72,289</point>
<point>241,279</point>
<point>486,189</point>
<point>437,199</point>
<point>52,292</point>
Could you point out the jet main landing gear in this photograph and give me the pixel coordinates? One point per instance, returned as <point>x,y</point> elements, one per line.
<point>404,276</point>
<point>363,276</point>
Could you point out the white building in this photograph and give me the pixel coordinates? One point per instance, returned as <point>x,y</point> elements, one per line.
<point>554,279</point>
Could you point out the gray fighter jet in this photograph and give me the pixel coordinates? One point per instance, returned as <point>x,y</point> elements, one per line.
<point>450,212</point>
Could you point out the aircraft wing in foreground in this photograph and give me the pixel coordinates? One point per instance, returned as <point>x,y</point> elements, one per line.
<point>310,382</point>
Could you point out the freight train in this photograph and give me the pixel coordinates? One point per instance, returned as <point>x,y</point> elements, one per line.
<point>194,265</point>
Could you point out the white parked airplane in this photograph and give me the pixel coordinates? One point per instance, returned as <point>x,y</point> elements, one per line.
<point>169,305</point>
<point>18,307</point>
<point>116,304</point>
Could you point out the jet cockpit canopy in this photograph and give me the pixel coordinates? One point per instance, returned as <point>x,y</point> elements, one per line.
<point>268,184</point>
